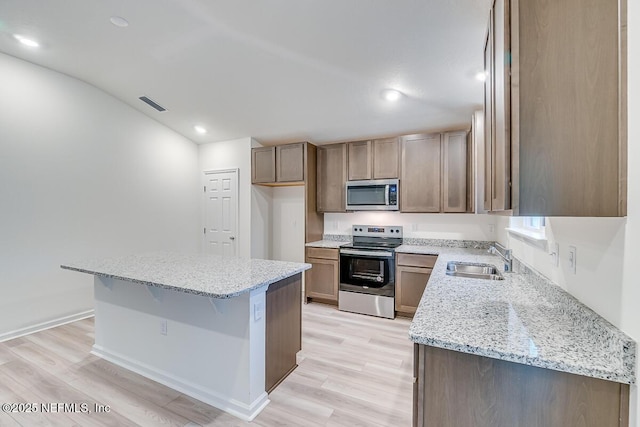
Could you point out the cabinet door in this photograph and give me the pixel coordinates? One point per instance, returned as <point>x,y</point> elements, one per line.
<point>385,158</point>
<point>290,162</point>
<point>283,329</point>
<point>570,130</point>
<point>359,160</point>
<point>321,281</point>
<point>501,144</point>
<point>410,285</point>
<point>263,162</point>
<point>420,173</point>
<point>332,177</point>
<point>488,114</point>
<point>454,172</point>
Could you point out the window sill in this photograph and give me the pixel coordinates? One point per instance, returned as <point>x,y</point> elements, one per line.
<point>531,237</point>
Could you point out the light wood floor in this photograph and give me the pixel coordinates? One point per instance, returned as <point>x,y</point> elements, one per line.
<point>354,370</point>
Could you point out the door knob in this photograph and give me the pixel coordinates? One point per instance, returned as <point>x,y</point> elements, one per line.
<point>232,238</point>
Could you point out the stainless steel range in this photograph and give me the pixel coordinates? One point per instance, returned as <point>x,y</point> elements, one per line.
<point>368,269</point>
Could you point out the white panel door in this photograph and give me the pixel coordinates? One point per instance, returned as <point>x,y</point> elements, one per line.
<point>221,212</point>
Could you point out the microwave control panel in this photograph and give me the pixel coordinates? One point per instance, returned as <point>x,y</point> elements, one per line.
<point>393,195</point>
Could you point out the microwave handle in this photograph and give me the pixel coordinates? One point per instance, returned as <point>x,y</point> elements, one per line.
<point>386,195</point>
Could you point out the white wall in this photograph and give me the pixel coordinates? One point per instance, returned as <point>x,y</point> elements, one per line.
<point>287,243</point>
<point>600,244</point>
<point>430,226</point>
<point>81,175</point>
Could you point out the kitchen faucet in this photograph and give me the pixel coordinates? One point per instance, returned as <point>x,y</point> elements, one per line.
<point>504,253</point>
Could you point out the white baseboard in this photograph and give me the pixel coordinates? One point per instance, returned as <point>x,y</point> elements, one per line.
<point>45,325</point>
<point>226,404</point>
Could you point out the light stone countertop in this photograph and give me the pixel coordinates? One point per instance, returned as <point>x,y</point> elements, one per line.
<point>524,319</point>
<point>201,274</point>
<point>329,244</point>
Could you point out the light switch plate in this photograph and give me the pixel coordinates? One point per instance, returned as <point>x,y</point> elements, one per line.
<point>555,254</point>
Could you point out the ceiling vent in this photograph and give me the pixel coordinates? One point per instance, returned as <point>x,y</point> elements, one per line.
<point>152,103</point>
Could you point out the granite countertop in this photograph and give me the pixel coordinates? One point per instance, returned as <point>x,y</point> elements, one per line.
<point>524,319</point>
<point>201,274</point>
<point>331,241</point>
<point>329,244</point>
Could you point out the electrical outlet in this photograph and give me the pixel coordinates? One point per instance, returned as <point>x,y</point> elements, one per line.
<point>573,260</point>
<point>163,327</point>
<point>258,311</point>
<point>492,228</point>
<point>555,254</point>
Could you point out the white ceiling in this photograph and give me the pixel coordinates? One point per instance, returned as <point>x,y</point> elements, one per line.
<point>276,70</point>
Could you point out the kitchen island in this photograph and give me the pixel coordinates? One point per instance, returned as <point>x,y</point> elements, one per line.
<point>222,330</point>
<point>518,351</point>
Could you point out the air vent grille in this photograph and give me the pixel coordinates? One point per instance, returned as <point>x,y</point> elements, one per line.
<point>152,103</point>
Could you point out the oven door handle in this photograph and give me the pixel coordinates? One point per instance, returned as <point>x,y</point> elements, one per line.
<point>367,253</point>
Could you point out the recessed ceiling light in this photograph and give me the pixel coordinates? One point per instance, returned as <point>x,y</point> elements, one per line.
<point>200,129</point>
<point>119,21</point>
<point>481,75</point>
<point>26,41</point>
<point>391,95</point>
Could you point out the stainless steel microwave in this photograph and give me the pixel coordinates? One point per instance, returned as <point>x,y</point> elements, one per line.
<point>372,195</point>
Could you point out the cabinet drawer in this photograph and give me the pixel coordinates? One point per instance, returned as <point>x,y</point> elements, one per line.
<point>413,260</point>
<point>325,253</point>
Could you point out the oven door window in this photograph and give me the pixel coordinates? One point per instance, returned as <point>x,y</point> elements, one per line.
<point>365,271</point>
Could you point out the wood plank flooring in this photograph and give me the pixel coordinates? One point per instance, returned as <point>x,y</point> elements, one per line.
<point>354,370</point>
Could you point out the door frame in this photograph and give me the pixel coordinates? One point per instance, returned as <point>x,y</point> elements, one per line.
<point>204,204</point>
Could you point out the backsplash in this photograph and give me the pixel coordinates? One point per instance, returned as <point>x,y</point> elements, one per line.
<point>447,243</point>
<point>416,241</point>
<point>416,225</point>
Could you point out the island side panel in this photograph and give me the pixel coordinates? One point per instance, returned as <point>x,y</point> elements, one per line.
<point>207,350</point>
<point>283,329</point>
<point>455,389</point>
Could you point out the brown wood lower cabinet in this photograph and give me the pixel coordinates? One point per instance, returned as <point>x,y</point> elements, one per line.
<point>283,334</point>
<point>412,274</point>
<point>453,389</point>
<point>321,281</point>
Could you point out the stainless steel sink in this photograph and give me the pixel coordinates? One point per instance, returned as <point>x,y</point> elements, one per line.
<point>473,270</point>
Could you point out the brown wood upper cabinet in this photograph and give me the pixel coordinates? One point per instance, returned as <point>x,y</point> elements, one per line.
<point>454,172</point>
<point>377,159</point>
<point>420,173</point>
<point>555,108</point>
<point>263,165</point>
<point>433,175</point>
<point>332,177</point>
<point>279,164</point>
<point>290,162</point>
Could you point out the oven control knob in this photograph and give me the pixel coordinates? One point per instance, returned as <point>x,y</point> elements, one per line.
<point>379,279</point>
